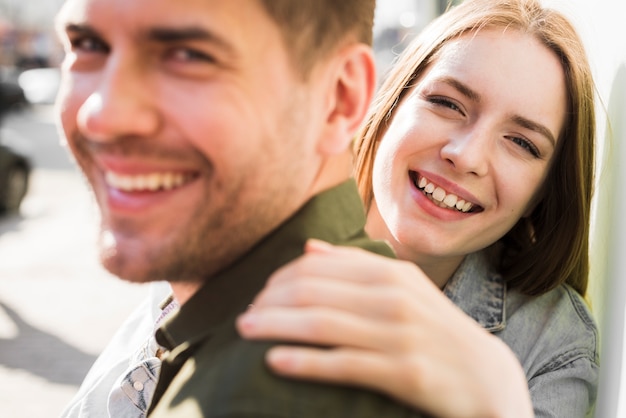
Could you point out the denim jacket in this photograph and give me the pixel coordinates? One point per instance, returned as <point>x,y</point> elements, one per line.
<point>553,335</point>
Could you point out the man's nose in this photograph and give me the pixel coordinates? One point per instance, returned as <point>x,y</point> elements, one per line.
<point>121,105</point>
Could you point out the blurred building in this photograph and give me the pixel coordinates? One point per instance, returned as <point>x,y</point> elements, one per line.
<point>399,21</point>
<point>27,36</point>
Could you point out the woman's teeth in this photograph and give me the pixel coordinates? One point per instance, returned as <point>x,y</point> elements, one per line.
<point>146,182</point>
<point>441,198</point>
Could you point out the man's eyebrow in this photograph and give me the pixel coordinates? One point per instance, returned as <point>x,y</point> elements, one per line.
<point>191,33</point>
<point>536,127</point>
<point>79,29</point>
<point>164,35</point>
<point>76,30</point>
<point>463,88</point>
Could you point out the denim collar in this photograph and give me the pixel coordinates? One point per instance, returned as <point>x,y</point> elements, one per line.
<point>479,292</point>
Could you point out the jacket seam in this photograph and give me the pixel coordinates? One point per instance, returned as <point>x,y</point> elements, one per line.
<point>558,364</point>
<point>582,314</point>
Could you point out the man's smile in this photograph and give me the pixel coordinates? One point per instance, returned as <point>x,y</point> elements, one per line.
<point>154,181</point>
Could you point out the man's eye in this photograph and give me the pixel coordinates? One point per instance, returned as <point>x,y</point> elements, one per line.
<point>89,44</point>
<point>189,55</point>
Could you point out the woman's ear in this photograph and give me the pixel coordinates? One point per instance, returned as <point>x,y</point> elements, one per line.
<point>354,84</point>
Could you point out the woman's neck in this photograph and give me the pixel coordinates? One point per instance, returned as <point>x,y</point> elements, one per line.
<point>440,270</point>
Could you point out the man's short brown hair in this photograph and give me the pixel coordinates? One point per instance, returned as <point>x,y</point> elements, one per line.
<point>313,28</point>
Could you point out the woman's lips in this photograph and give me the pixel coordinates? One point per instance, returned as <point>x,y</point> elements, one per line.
<point>442,198</point>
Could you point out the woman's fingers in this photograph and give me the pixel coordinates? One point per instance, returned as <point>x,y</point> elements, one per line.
<point>349,264</point>
<point>350,279</point>
<point>324,326</point>
<point>336,365</point>
<point>382,302</point>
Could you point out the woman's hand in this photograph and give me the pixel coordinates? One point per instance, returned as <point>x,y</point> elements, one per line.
<point>388,328</point>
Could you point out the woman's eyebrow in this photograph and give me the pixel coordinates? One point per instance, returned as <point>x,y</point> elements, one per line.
<point>535,126</point>
<point>463,88</point>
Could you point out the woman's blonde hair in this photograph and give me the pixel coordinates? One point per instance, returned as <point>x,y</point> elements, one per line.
<point>551,246</point>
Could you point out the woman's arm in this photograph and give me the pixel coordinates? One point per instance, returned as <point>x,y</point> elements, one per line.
<point>388,328</point>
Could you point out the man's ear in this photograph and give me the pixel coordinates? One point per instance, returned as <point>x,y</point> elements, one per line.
<point>354,83</point>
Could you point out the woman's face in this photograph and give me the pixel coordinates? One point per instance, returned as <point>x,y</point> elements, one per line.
<point>468,147</point>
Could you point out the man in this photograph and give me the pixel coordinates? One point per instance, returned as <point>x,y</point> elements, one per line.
<point>215,136</point>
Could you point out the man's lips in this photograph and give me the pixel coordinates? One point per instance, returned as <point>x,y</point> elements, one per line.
<point>441,197</point>
<point>135,194</point>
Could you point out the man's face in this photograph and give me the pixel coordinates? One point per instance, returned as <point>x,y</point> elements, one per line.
<point>191,126</point>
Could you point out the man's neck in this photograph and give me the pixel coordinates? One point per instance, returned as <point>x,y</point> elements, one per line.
<point>184,290</point>
<point>334,170</point>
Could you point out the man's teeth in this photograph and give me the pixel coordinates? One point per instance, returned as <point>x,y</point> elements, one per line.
<point>145,182</point>
<point>441,198</point>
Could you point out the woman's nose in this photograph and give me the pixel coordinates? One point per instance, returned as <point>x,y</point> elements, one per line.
<point>468,152</point>
<point>121,104</point>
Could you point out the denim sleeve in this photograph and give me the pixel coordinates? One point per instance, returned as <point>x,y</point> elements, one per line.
<point>566,392</point>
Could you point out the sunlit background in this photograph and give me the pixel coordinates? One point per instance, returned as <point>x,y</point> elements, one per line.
<point>58,308</point>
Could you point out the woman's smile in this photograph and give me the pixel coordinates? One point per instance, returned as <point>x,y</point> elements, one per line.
<point>440,197</point>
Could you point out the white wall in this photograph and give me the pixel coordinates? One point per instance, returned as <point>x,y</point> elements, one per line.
<point>602,24</point>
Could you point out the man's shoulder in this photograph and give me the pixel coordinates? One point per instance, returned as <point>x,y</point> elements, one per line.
<point>227,377</point>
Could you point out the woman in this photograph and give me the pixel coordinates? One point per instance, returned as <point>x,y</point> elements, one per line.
<point>476,165</point>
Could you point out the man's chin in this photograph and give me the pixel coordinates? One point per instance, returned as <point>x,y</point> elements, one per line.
<point>130,272</point>
<point>125,260</point>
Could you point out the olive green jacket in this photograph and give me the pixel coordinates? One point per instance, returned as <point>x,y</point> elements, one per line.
<point>210,371</point>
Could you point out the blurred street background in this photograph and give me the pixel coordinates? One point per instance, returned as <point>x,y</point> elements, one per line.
<point>59,308</point>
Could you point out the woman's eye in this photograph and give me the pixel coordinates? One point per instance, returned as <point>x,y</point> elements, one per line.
<point>526,145</point>
<point>442,101</point>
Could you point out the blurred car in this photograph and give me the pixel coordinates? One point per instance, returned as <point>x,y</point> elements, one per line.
<point>11,93</point>
<point>15,169</point>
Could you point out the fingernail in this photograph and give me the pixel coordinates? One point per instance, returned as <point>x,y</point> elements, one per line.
<point>317,245</point>
<point>247,321</point>
<point>280,357</point>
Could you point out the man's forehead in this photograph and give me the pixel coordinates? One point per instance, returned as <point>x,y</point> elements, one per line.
<point>220,20</point>
<point>160,12</point>
<point>138,12</point>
